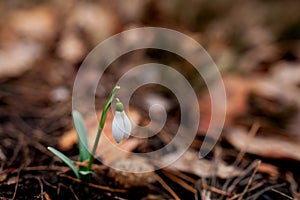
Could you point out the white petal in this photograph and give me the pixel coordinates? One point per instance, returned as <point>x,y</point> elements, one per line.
<point>127,125</point>
<point>117,127</point>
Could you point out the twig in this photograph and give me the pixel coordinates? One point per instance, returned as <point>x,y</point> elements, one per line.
<point>58,188</point>
<point>251,134</point>
<point>17,184</point>
<point>16,151</point>
<point>101,187</point>
<point>215,164</point>
<point>256,186</point>
<point>282,194</point>
<point>215,190</point>
<point>106,188</point>
<point>46,168</point>
<point>254,129</point>
<point>180,182</point>
<point>249,181</point>
<point>255,196</point>
<point>241,176</point>
<point>163,183</point>
<point>73,193</point>
<point>293,185</point>
<point>207,189</point>
<point>182,176</point>
<point>49,184</point>
<point>198,187</point>
<point>37,145</point>
<point>41,186</point>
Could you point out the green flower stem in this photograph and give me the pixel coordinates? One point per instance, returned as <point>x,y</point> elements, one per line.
<point>91,160</point>
<point>101,124</point>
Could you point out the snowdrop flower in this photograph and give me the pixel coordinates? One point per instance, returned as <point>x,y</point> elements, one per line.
<point>121,125</point>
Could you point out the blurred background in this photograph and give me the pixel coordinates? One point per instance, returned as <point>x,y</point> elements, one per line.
<point>255,44</point>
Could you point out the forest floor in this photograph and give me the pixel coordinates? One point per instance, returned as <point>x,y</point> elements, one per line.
<point>256,47</point>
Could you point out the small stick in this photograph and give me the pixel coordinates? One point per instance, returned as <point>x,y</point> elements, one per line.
<point>17,184</point>
<point>182,176</point>
<point>250,181</point>
<point>101,187</point>
<point>163,183</point>
<point>293,185</point>
<point>281,193</point>
<point>251,134</point>
<point>215,190</point>
<point>254,129</point>
<point>49,184</point>
<point>73,193</point>
<point>240,177</point>
<point>46,168</point>
<point>255,196</point>
<point>180,182</point>
<point>41,186</point>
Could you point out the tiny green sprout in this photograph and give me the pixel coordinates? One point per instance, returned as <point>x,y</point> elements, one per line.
<point>121,127</point>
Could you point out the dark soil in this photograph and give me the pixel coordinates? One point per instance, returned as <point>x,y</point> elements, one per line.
<point>33,118</point>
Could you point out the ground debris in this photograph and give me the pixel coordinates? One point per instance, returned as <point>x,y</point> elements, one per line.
<point>275,146</point>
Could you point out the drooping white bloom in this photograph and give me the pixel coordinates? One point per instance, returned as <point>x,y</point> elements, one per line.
<point>121,126</point>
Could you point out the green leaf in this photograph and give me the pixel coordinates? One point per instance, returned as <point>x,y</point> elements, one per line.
<point>65,159</point>
<point>84,153</point>
<point>107,106</point>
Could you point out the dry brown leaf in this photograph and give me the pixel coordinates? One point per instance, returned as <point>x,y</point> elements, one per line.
<point>254,57</point>
<point>18,57</point>
<point>67,141</point>
<point>2,156</point>
<point>275,87</point>
<point>269,169</point>
<point>189,162</point>
<point>96,21</point>
<point>133,171</point>
<point>274,146</point>
<point>12,180</point>
<point>3,176</point>
<point>71,47</point>
<point>38,23</point>
<point>24,36</point>
<point>281,87</point>
<point>237,89</point>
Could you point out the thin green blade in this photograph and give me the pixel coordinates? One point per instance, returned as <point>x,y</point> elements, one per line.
<point>107,106</point>
<point>84,153</point>
<point>65,159</point>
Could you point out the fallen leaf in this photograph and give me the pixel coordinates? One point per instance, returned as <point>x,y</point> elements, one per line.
<point>38,23</point>
<point>189,162</point>
<point>273,146</point>
<point>97,21</point>
<point>132,172</point>
<point>12,180</point>
<point>3,176</point>
<point>18,58</point>
<point>266,53</point>
<point>269,169</point>
<point>71,47</point>
<point>2,156</point>
<point>279,92</point>
<point>237,89</point>
<point>24,36</point>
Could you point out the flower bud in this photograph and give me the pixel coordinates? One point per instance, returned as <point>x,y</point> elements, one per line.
<point>121,125</point>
